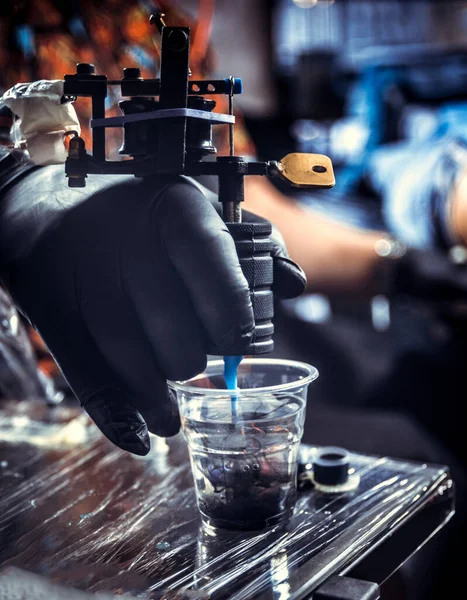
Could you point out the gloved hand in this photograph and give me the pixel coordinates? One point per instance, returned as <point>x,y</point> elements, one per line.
<point>127,281</point>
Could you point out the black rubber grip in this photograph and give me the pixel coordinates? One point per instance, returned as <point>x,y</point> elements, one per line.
<point>254,246</point>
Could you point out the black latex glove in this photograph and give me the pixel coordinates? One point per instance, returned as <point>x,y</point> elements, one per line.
<point>126,281</point>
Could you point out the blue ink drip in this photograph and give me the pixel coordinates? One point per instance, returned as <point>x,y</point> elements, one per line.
<point>230,377</point>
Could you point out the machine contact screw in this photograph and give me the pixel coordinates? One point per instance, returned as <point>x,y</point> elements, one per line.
<point>85,69</point>
<point>132,73</point>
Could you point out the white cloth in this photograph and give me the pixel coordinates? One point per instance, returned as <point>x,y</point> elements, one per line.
<point>42,119</point>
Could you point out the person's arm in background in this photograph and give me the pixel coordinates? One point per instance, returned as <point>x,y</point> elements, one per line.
<point>344,260</point>
<point>335,257</point>
<point>458,216</point>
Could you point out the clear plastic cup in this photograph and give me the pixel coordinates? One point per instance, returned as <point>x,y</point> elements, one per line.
<point>244,443</point>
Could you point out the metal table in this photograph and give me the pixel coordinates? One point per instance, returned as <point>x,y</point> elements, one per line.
<point>78,511</point>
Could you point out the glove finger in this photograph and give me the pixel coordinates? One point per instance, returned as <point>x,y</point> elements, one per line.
<point>99,390</point>
<point>289,278</point>
<point>203,253</point>
<point>119,336</point>
<point>163,305</point>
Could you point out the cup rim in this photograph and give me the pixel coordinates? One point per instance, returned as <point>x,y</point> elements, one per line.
<point>312,371</point>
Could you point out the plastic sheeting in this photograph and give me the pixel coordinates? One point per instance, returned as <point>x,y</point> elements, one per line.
<point>92,517</point>
<point>20,378</point>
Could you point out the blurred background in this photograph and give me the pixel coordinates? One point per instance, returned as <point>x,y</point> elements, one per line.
<point>374,84</point>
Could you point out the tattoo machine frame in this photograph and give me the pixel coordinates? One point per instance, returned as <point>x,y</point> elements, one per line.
<point>171,136</point>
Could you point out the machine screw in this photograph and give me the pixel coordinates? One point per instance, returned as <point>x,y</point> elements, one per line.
<point>132,73</point>
<point>85,69</point>
<point>157,19</point>
<point>178,40</point>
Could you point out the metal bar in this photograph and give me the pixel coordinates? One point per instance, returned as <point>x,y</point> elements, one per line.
<point>98,135</point>
<point>201,87</point>
<point>171,143</point>
<point>231,170</point>
<point>231,212</point>
<point>231,128</point>
<point>214,168</point>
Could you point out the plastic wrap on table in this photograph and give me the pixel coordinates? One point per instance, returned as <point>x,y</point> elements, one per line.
<point>20,378</point>
<point>39,425</point>
<point>16,584</point>
<point>100,520</point>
